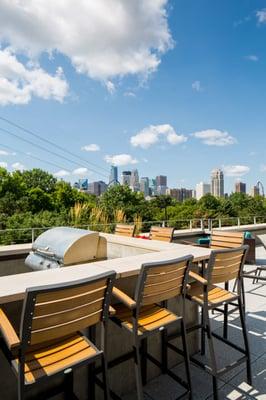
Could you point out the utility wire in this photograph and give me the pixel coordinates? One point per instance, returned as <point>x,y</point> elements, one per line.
<point>50,143</point>
<point>31,156</point>
<point>49,151</point>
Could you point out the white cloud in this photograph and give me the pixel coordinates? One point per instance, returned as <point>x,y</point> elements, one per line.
<point>196,85</point>
<point>263,168</point>
<point>6,153</point>
<point>153,133</point>
<point>17,166</point>
<point>120,159</point>
<point>19,83</point>
<point>261,16</point>
<point>91,147</point>
<point>214,137</point>
<point>110,86</point>
<point>103,39</point>
<point>61,173</point>
<point>80,171</point>
<point>3,164</point>
<point>235,170</point>
<point>252,57</point>
<point>129,94</point>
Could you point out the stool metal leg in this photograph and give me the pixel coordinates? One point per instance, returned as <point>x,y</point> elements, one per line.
<point>21,381</point>
<point>202,333</point>
<point>105,379</point>
<point>245,337</point>
<point>143,352</point>
<point>68,384</point>
<point>186,356</point>
<point>212,354</point>
<point>137,362</point>
<point>164,340</point>
<point>225,327</point>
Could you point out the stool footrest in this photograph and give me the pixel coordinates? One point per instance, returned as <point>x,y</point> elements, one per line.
<point>235,346</point>
<point>168,371</point>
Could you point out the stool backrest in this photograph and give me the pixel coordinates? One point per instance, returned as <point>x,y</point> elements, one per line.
<point>125,230</point>
<point>225,265</point>
<point>163,234</point>
<point>226,240</point>
<point>54,311</point>
<point>160,281</point>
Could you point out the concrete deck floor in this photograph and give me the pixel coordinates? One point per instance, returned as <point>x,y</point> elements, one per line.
<point>233,385</point>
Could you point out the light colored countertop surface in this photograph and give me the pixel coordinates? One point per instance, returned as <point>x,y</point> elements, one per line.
<point>13,287</point>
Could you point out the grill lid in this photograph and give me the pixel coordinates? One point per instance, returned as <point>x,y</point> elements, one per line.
<point>67,245</point>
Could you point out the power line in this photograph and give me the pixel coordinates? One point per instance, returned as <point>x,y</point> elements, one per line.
<point>49,151</point>
<point>31,156</point>
<point>50,143</point>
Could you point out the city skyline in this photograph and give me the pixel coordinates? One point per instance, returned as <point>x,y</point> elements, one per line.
<point>158,185</point>
<point>170,101</point>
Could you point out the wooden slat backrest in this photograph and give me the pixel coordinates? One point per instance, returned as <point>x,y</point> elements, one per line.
<point>59,311</point>
<point>125,230</point>
<point>226,240</point>
<point>161,281</point>
<point>163,234</point>
<point>227,265</point>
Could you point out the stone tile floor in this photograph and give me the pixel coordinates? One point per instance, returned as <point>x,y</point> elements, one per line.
<point>233,385</point>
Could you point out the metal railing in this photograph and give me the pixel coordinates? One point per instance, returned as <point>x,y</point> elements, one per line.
<point>27,235</point>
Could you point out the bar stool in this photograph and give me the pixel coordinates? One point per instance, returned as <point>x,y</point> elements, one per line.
<point>142,316</point>
<point>125,230</point>
<point>50,342</point>
<point>223,266</point>
<point>163,234</point>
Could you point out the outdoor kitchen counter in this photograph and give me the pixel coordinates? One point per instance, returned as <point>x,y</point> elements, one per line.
<point>12,287</point>
<point>131,253</point>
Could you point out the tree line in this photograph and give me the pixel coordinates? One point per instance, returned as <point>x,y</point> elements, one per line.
<point>36,199</point>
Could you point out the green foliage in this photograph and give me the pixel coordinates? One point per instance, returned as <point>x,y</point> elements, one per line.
<point>122,198</point>
<point>35,199</point>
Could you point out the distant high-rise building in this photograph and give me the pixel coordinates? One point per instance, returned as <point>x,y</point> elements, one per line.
<point>161,180</point>
<point>202,189</point>
<point>255,191</point>
<point>217,183</point>
<point>180,194</point>
<point>240,187</point>
<point>134,181</point>
<point>161,184</point>
<point>152,187</point>
<point>144,186</point>
<point>113,179</point>
<point>83,184</point>
<point>97,188</point>
<point>125,178</point>
<point>161,189</point>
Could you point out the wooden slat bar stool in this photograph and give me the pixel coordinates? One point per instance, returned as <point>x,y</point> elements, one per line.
<point>223,266</point>
<point>125,230</point>
<point>50,342</point>
<point>144,316</point>
<point>221,239</point>
<point>161,233</point>
<point>226,240</point>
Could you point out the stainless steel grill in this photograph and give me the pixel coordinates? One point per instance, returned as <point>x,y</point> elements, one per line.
<point>62,246</point>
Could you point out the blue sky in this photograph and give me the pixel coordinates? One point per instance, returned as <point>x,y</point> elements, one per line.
<point>169,87</point>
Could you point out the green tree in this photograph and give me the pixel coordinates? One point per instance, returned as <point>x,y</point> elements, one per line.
<point>39,200</point>
<point>162,202</point>
<point>37,178</point>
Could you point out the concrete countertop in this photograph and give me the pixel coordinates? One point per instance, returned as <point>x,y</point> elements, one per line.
<point>12,287</point>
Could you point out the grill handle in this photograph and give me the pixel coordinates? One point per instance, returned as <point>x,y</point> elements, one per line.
<point>45,252</point>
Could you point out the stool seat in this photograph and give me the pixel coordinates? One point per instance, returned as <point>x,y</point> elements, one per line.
<point>151,317</point>
<point>216,294</point>
<point>58,356</point>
